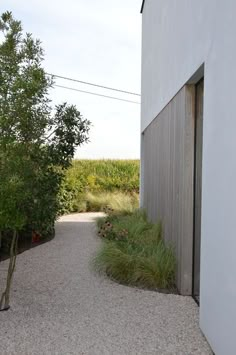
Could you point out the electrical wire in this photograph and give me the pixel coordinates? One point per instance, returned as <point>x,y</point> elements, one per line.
<point>97,85</point>
<point>93,93</point>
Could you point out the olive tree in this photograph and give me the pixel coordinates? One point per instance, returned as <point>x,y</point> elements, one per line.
<point>37,141</point>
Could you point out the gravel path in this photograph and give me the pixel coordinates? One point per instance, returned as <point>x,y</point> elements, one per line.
<point>59,306</point>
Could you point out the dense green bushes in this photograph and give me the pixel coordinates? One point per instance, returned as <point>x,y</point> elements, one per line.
<point>107,175</point>
<point>134,253</point>
<point>93,184</point>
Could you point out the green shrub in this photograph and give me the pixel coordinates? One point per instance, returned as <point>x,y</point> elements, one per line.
<point>91,185</point>
<point>134,253</point>
<point>107,175</point>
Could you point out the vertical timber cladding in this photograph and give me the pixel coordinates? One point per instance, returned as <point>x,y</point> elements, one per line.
<point>168,154</point>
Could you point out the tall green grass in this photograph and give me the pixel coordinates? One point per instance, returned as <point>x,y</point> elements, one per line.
<point>94,184</point>
<point>105,175</point>
<point>133,252</point>
<point>116,201</point>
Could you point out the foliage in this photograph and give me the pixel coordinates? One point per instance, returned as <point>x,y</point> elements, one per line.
<point>108,175</point>
<point>116,201</point>
<point>134,253</point>
<point>91,184</point>
<point>37,142</point>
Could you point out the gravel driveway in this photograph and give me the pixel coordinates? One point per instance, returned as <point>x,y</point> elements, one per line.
<point>59,306</point>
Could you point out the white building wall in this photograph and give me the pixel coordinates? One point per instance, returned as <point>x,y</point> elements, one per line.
<point>178,37</point>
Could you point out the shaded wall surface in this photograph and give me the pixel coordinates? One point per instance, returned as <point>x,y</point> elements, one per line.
<point>168,154</point>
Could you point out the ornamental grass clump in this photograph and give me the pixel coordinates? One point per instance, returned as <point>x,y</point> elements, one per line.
<point>117,201</point>
<point>133,252</point>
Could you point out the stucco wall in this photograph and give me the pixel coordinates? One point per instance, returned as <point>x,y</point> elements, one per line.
<point>178,36</point>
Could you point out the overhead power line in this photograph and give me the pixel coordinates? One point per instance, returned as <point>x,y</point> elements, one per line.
<point>93,93</point>
<point>91,84</point>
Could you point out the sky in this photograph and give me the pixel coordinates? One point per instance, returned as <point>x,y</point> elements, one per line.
<point>97,41</point>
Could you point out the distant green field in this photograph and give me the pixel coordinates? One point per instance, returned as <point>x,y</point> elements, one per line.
<point>88,178</point>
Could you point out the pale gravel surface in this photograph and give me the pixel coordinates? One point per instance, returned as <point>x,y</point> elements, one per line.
<point>60,306</point>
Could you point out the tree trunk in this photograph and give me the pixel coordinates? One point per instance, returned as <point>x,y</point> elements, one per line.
<point>5,299</point>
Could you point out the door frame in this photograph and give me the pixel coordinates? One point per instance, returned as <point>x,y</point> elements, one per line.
<point>196,113</point>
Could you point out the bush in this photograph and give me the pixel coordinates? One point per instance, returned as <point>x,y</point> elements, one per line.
<point>134,253</point>
<point>92,185</point>
<point>107,175</point>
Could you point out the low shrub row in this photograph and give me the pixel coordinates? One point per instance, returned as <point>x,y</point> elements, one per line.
<point>133,252</point>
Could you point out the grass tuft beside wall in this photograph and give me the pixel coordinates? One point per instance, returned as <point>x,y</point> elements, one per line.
<point>134,253</point>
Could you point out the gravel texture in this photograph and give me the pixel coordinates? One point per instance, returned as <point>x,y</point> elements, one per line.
<point>60,306</point>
